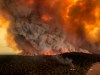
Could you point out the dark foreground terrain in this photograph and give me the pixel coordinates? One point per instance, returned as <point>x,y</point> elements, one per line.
<point>47,65</point>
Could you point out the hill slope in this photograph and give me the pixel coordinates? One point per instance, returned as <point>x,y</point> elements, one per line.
<point>47,65</point>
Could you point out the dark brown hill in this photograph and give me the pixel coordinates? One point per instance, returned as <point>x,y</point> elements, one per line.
<point>47,65</point>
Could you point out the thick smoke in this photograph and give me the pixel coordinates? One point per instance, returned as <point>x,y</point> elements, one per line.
<point>39,27</point>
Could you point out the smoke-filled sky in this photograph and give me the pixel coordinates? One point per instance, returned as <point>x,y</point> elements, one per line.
<point>50,26</point>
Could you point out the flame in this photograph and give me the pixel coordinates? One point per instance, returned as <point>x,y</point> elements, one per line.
<point>4,35</point>
<point>75,13</point>
<point>51,52</point>
<point>4,22</point>
<point>93,31</point>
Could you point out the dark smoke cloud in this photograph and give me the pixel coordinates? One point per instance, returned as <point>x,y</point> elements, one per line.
<point>33,36</point>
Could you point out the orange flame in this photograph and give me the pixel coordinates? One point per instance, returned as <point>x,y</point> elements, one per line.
<point>6,37</point>
<point>93,30</point>
<point>77,12</point>
<point>4,22</point>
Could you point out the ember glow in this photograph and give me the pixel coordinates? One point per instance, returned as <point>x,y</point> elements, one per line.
<point>52,26</point>
<point>46,17</point>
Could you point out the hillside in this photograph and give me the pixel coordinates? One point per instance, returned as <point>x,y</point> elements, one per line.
<point>47,65</point>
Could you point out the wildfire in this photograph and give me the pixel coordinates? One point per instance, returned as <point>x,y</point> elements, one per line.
<point>4,48</point>
<point>79,18</point>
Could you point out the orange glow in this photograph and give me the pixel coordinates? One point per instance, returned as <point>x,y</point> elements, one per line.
<point>46,17</point>
<point>77,12</point>
<point>53,2</point>
<point>4,22</point>
<point>30,2</point>
<point>93,30</point>
<point>51,52</point>
<point>93,33</point>
<point>6,39</point>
